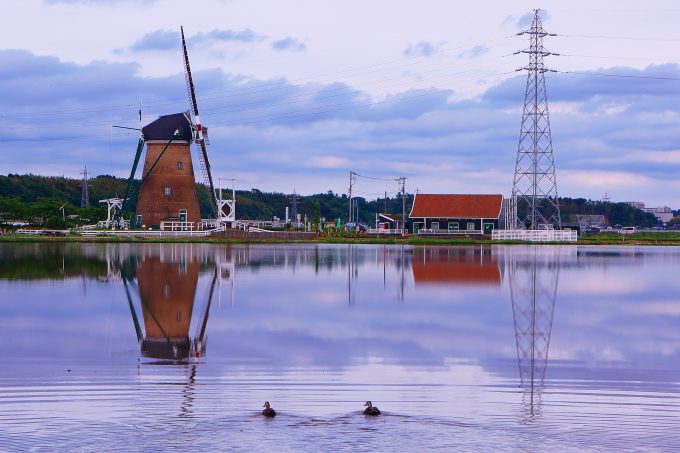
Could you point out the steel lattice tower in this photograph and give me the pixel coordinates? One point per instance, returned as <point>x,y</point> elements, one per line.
<point>85,195</point>
<point>534,188</point>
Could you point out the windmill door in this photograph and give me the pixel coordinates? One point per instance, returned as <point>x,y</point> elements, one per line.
<point>183,215</point>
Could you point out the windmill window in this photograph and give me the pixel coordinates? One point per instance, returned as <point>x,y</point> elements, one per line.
<point>168,192</point>
<point>180,165</point>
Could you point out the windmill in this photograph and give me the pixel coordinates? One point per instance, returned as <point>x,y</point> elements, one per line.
<point>166,196</point>
<point>63,213</point>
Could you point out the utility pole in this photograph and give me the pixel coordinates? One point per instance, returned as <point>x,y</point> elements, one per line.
<point>385,202</point>
<point>294,208</point>
<point>352,179</point>
<point>534,188</point>
<point>85,197</point>
<point>402,188</point>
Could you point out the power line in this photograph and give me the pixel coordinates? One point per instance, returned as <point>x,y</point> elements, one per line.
<point>255,120</point>
<point>269,117</point>
<point>373,177</point>
<point>611,58</point>
<point>628,38</point>
<point>343,90</point>
<point>340,107</point>
<point>233,108</point>
<point>259,87</point>
<point>623,76</point>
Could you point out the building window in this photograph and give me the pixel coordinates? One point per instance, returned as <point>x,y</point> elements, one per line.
<point>470,226</point>
<point>435,225</point>
<point>453,226</point>
<point>180,165</point>
<point>168,192</point>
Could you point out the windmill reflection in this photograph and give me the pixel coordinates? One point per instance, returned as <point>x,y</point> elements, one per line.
<point>165,279</point>
<point>533,288</point>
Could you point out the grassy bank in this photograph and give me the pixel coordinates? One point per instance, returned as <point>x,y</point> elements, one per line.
<point>665,238</point>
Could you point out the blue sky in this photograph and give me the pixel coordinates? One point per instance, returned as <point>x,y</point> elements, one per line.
<point>297,94</point>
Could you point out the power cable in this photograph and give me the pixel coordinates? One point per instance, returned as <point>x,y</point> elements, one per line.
<point>284,82</point>
<point>623,76</point>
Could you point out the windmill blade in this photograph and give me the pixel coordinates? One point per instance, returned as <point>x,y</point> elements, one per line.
<point>200,139</point>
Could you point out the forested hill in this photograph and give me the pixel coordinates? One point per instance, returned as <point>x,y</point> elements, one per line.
<point>48,193</point>
<point>23,196</point>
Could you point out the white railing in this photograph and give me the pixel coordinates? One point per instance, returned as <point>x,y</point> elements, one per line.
<point>253,226</point>
<point>151,233</point>
<point>386,231</point>
<point>105,224</point>
<point>42,232</point>
<point>535,235</point>
<point>431,232</point>
<point>177,226</point>
<point>207,224</point>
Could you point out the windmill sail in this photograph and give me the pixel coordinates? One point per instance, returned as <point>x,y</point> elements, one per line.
<point>201,134</point>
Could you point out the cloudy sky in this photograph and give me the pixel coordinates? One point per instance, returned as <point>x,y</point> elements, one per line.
<point>299,93</point>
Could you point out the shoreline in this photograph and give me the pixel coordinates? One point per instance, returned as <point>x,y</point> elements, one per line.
<point>657,239</point>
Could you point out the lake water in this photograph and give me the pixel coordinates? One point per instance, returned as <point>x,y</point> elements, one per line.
<point>161,347</point>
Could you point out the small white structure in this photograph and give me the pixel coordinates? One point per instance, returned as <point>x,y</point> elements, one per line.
<point>111,205</point>
<point>228,217</point>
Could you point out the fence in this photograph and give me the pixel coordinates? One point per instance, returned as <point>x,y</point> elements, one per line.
<point>42,232</point>
<point>385,231</point>
<point>151,233</point>
<point>535,235</point>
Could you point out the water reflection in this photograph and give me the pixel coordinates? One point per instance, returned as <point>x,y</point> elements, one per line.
<point>470,336</point>
<point>162,281</point>
<point>456,266</point>
<point>533,280</point>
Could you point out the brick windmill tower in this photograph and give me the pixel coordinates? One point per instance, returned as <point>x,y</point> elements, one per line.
<point>167,193</point>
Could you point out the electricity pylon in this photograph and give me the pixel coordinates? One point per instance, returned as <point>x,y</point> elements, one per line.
<point>534,188</point>
<point>85,195</point>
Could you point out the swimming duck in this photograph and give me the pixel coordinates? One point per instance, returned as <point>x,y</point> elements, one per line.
<point>371,409</point>
<point>268,411</point>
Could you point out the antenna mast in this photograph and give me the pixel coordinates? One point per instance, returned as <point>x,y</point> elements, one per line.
<point>534,189</point>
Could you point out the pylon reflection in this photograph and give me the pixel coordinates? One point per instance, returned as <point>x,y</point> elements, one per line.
<point>533,288</point>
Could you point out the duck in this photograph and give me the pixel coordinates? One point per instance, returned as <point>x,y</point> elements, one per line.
<point>268,411</point>
<point>371,409</point>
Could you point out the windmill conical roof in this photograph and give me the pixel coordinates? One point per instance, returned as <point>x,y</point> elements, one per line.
<point>164,128</point>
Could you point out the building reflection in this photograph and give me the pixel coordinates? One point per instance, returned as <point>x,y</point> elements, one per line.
<point>456,266</point>
<point>163,282</point>
<point>533,279</point>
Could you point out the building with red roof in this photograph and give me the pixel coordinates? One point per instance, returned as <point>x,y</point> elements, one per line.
<point>456,213</point>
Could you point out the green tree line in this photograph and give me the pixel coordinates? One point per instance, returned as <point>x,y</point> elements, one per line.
<point>37,199</point>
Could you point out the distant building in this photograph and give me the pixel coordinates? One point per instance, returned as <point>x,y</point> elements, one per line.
<point>663,214</point>
<point>636,204</point>
<point>390,222</point>
<point>455,213</point>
